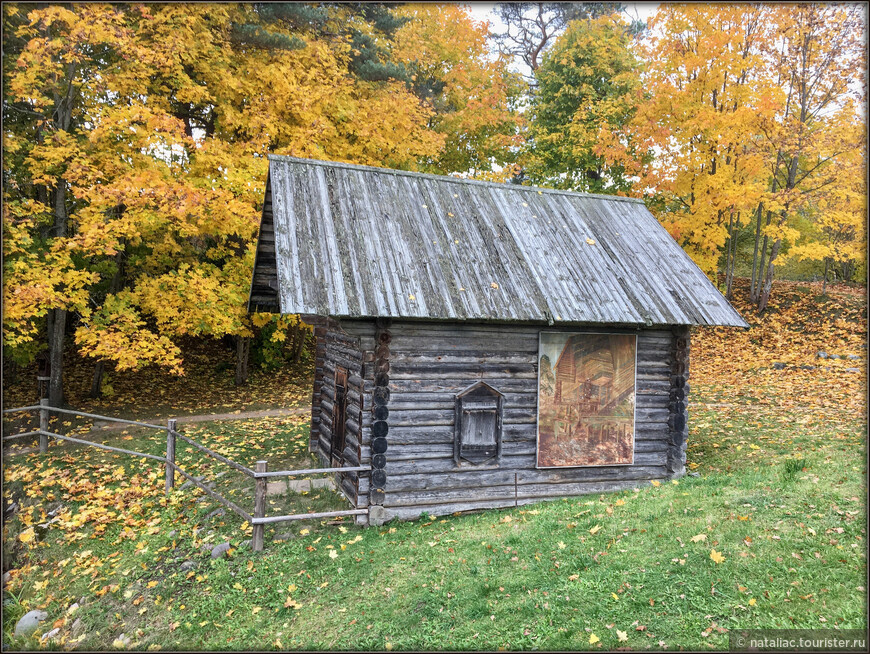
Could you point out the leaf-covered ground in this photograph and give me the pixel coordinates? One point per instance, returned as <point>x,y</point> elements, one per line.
<point>771,534</point>
<point>206,387</point>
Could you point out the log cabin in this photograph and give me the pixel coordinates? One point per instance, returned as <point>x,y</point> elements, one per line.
<point>482,345</point>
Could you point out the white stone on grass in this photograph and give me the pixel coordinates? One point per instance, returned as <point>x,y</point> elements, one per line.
<point>29,622</point>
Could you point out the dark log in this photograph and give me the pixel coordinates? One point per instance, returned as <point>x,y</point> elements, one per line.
<point>439,434</point>
<point>446,386</point>
<point>379,478</point>
<point>434,417</point>
<point>347,486</point>
<point>466,358</point>
<point>445,450</point>
<point>508,492</point>
<point>444,401</point>
<point>381,367</point>
<point>553,477</point>
<point>381,395</point>
<point>352,428</point>
<point>440,465</point>
<point>458,370</point>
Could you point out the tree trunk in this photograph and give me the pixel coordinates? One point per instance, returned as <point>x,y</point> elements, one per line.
<point>731,255</point>
<point>764,296</point>
<point>755,253</point>
<point>825,278</point>
<point>300,343</point>
<point>243,350</point>
<point>755,297</point>
<point>55,384</point>
<point>97,381</point>
<point>847,270</point>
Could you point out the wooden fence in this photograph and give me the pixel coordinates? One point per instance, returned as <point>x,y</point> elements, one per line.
<point>259,475</point>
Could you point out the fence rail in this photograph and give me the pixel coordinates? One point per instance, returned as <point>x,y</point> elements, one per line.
<point>215,455</point>
<point>259,518</point>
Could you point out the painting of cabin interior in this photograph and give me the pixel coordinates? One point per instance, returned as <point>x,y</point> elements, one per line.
<point>586,399</point>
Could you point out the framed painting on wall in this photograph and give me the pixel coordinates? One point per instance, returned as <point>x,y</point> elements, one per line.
<point>586,399</point>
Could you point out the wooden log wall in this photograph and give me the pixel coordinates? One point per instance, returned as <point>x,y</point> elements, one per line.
<point>336,348</point>
<point>430,362</point>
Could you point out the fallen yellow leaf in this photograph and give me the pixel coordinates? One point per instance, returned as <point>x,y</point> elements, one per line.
<point>291,603</point>
<point>593,639</point>
<point>716,556</point>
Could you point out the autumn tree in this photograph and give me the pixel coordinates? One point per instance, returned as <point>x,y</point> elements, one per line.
<point>706,91</point>
<point>817,52</point>
<point>136,137</point>
<point>838,232</point>
<point>472,96</point>
<point>749,107</point>
<point>585,86</point>
<point>54,64</point>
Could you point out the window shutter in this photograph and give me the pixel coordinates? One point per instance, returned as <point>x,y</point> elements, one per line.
<point>478,424</point>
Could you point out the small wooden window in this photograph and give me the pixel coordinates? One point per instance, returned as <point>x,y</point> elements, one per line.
<point>339,417</point>
<point>478,424</point>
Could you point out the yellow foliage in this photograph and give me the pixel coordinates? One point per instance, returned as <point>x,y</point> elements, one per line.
<point>746,110</point>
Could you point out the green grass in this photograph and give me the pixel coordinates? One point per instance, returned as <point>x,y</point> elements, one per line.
<point>781,501</point>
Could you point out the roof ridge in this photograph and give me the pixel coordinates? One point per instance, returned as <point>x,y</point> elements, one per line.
<point>449,178</point>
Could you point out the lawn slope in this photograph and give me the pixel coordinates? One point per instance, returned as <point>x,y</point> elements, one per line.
<point>770,534</point>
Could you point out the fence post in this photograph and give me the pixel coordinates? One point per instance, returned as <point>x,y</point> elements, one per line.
<point>170,454</point>
<point>43,425</point>
<point>259,507</point>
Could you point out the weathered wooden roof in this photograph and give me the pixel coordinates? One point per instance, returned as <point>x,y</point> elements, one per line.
<point>353,241</point>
